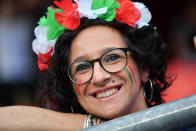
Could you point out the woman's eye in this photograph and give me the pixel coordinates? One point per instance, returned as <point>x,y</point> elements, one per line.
<point>82,67</point>
<point>112,58</point>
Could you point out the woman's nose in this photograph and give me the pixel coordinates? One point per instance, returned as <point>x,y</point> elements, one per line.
<point>100,76</point>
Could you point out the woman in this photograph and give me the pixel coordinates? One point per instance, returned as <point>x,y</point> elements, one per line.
<point>101,63</point>
<point>99,58</point>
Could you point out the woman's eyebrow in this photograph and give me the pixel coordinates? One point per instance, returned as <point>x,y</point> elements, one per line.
<point>101,52</point>
<point>78,58</point>
<point>107,49</point>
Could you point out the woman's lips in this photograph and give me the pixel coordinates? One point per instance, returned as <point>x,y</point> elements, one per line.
<point>106,93</point>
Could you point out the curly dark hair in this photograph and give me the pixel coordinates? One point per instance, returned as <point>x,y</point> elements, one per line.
<point>147,50</point>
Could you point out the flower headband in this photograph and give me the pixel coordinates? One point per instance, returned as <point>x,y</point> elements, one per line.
<point>68,14</point>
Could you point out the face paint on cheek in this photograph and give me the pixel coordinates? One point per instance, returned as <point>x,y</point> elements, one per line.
<point>130,72</point>
<point>77,86</point>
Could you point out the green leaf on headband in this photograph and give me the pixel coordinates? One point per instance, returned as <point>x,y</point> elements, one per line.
<point>111,8</point>
<point>54,28</point>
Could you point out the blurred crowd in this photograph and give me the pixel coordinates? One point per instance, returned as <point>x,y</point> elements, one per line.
<point>182,52</point>
<point>175,21</point>
<point>18,69</point>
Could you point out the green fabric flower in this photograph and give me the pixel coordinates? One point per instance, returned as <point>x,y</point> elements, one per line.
<point>54,29</point>
<point>111,8</point>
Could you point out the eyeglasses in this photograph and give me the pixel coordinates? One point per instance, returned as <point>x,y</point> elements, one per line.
<point>112,61</point>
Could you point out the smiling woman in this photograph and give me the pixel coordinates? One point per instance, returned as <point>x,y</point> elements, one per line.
<point>100,58</point>
<point>105,68</point>
<point>106,89</point>
<point>101,68</point>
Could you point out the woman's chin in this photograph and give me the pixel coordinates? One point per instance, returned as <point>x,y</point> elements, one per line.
<point>110,113</point>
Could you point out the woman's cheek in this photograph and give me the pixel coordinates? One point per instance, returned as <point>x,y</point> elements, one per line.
<point>129,70</point>
<point>77,87</point>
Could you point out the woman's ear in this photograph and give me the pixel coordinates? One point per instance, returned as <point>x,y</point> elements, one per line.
<point>144,75</point>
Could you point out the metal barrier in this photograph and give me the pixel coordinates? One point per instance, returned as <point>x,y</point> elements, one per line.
<point>172,116</point>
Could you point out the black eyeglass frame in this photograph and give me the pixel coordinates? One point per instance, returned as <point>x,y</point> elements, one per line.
<point>91,62</point>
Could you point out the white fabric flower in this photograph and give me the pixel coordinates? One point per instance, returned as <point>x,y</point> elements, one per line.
<point>84,9</point>
<point>145,15</point>
<point>41,44</point>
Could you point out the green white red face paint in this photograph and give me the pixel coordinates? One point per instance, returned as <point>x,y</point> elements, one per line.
<point>77,86</point>
<point>129,70</point>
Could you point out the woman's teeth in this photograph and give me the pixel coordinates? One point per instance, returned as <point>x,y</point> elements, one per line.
<point>107,93</point>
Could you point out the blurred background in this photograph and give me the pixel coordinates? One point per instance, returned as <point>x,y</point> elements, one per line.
<point>175,21</point>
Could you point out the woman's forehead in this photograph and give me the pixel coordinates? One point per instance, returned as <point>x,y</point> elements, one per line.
<point>95,40</point>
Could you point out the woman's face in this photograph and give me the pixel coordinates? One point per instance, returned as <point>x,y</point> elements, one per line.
<point>107,95</point>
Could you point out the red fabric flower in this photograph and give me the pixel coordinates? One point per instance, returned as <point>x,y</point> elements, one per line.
<point>70,18</point>
<point>43,60</point>
<point>127,13</point>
